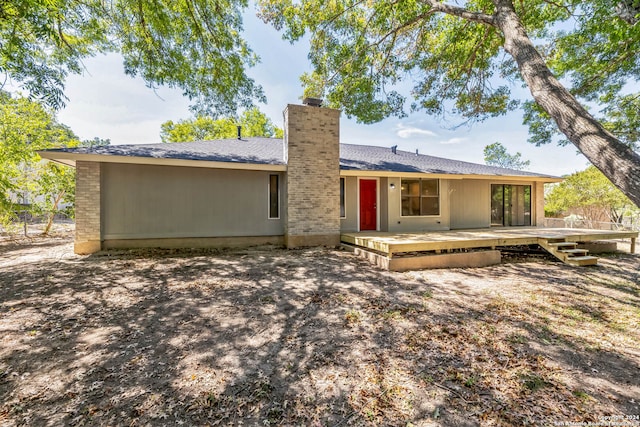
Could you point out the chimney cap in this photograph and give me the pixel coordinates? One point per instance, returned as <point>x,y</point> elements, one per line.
<point>312,102</point>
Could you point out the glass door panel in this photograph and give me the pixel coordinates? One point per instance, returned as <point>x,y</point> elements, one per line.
<point>510,205</point>
<point>497,204</point>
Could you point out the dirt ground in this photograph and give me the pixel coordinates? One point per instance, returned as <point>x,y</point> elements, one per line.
<point>311,337</point>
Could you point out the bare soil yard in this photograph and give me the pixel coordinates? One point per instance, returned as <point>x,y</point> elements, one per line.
<point>310,337</point>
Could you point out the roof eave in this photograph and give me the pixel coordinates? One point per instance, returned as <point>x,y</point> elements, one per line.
<point>70,159</point>
<point>395,174</point>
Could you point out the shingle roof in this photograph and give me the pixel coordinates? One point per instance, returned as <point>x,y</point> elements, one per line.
<point>269,151</point>
<point>365,157</point>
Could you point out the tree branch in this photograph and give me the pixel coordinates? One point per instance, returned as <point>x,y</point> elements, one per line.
<point>329,21</point>
<point>61,35</point>
<point>394,32</point>
<point>556,4</point>
<point>461,12</point>
<point>611,67</point>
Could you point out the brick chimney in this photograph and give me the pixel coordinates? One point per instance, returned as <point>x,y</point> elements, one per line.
<point>312,153</point>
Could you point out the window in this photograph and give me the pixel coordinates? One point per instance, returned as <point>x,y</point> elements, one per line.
<point>274,196</point>
<point>343,212</point>
<point>420,197</point>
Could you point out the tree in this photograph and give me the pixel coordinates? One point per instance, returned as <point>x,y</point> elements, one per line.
<point>55,185</point>
<point>193,45</point>
<point>95,142</point>
<point>42,191</point>
<point>590,195</point>
<point>496,155</point>
<point>201,128</point>
<point>453,55</point>
<point>24,127</point>
<point>27,185</point>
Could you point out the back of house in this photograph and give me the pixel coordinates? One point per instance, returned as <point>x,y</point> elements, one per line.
<point>304,190</point>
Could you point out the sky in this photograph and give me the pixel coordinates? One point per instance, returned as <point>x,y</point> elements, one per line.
<point>104,102</point>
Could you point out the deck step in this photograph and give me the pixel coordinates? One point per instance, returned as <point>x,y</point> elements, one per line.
<point>562,244</point>
<point>582,260</point>
<point>574,251</point>
<point>568,252</point>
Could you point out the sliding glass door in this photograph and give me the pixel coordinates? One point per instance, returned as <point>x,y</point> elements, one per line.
<point>510,205</point>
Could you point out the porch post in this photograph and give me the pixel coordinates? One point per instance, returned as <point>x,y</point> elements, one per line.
<point>539,200</point>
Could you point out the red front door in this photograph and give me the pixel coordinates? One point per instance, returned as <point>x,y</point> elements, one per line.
<point>368,208</point>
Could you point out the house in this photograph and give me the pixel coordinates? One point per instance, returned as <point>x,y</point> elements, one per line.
<point>303,191</point>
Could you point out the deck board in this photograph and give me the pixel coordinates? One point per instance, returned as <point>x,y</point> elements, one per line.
<point>390,243</point>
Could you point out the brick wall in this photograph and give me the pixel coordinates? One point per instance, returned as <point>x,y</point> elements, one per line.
<point>312,152</point>
<point>88,234</point>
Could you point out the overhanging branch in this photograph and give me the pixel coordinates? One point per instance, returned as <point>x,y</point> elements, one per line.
<point>460,12</point>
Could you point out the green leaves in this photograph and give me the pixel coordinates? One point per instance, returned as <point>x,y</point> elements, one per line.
<point>192,45</point>
<point>496,155</point>
<point>599,54</point>
<point>542,128</point>
<point>40,43</point>
<point>367,56</point>
<point>202,128</point>
<point>377,59</point>
<point>622,118</point>
<point>590,194</point>
<point>26,126</point>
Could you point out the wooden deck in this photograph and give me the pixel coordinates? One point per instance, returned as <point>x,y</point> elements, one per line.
<point>446,241</point>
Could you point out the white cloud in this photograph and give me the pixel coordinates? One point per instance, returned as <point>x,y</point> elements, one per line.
<point>106,103</point>
<point>453,141</point>
<point>410,131</point>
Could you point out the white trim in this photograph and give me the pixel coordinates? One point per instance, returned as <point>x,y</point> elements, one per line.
<point>377,180</point>
<point>70,159</point>
<point>269,196</point>
<point>439,200</point>
<point>389,174</point>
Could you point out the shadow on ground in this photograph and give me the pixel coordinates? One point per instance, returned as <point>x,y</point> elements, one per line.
<point>310,337</point>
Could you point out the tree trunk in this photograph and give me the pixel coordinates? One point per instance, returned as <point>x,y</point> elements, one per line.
<point>614,159</point>
<point>52,213</point>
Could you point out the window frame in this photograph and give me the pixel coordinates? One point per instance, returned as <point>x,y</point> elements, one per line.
<point>343,197</point>
<point>527,213</point>
<point>420,197</point>
<point>270,194</point>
